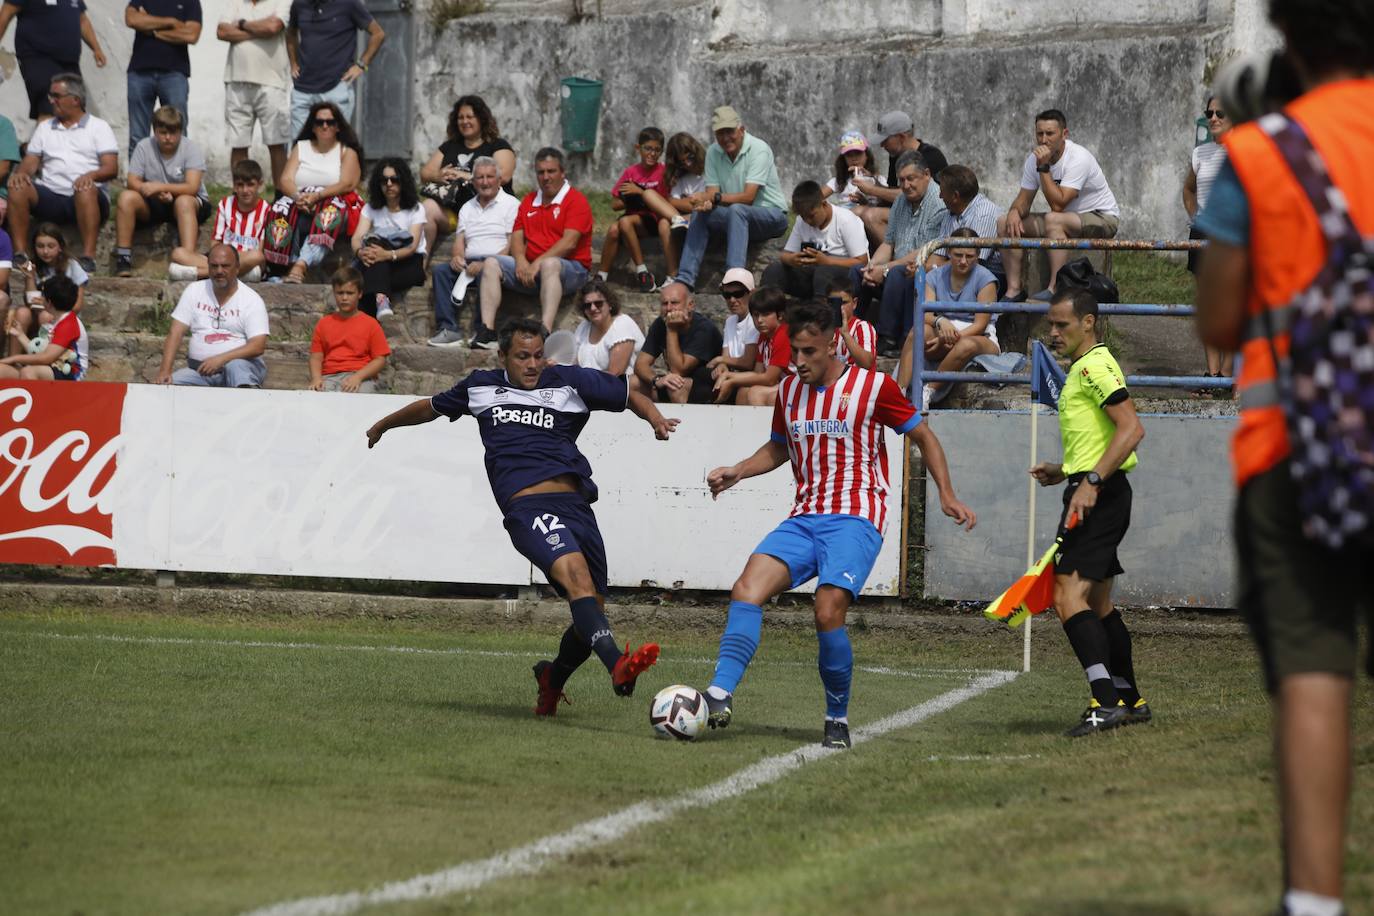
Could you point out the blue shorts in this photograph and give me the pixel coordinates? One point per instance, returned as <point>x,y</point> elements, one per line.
<point>837,550</point>
<point>547,526</point>
<point>571,274</point>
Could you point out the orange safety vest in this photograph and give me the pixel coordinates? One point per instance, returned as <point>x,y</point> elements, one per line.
<point>1287,248</point>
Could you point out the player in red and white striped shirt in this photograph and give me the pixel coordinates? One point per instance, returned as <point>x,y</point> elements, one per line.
<point>856,341</point>
<point>239,221</point>
<point>828,421</point>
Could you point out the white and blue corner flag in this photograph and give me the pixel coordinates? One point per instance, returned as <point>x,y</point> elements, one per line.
<point>1047,379</point>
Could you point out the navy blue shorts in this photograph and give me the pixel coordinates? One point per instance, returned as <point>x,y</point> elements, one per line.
<point>545,527</point>
<point>60,209</point>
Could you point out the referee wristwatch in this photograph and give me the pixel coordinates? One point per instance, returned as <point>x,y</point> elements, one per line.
<point>1093,478</point>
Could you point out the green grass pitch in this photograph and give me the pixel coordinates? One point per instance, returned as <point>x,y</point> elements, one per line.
<point>156,764</point>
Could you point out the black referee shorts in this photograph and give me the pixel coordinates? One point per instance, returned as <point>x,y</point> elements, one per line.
<point>1090,548</point>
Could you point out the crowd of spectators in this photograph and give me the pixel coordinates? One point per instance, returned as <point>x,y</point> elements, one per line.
<point>291,73</point>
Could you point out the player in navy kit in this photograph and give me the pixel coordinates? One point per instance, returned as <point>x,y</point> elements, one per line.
<point>530,415</point>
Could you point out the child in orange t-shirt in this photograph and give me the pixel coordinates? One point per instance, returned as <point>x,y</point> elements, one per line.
<point>349,348</point>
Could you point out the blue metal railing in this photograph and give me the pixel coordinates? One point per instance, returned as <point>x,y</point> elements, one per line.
<point>1179,310</point>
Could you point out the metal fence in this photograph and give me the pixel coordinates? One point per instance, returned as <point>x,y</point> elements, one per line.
<point>919,375</point>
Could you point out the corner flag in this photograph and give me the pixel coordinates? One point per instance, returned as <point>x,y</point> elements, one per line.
<point>1047,379</point>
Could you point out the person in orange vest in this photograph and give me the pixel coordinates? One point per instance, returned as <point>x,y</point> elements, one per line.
<point>1301,597</point>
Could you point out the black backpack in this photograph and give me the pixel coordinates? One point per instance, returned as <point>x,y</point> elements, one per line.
<point>1326,384</point>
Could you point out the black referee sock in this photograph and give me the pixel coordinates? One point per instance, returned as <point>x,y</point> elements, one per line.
<point>1119,657</point>
<point>1089,640</point>
<point>572,652</point>
<point>591,622</point>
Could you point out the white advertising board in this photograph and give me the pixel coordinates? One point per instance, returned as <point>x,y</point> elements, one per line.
<point>282,483</point>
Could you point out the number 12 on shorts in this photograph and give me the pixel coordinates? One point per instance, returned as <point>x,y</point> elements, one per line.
<point>546,523</point>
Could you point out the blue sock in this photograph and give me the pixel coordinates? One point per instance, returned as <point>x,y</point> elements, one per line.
<point>743,626</point>
<point>836,661</point>
<point>592,625</point>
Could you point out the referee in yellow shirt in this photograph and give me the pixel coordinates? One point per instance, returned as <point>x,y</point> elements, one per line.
<point>1100,431</point>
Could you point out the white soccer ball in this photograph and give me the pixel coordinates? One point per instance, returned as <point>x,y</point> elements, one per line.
<point>678,712</point>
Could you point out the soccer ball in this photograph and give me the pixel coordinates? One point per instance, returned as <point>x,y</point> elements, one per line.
<point>678,712</point>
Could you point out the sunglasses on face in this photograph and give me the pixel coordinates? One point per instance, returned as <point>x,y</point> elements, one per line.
<point>733,294</point>
<point>1214,113</point>
<point>593,304</point>
<point>326,122</point>
<point>58,96</point>
<point>391,179</point>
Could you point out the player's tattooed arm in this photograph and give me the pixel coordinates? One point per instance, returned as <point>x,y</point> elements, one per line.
<point>647,411</point>
<point>933,453</point>
<point>770,456</point>
<point>412,414</point>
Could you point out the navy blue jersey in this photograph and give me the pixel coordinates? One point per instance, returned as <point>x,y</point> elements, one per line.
<point>531,436</point>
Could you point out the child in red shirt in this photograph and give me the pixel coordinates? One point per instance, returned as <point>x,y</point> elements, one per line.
<point>349,348</point>
<point>639,219</point>
<point>760,387</point>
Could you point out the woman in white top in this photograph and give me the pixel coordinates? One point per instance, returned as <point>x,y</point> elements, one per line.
<point>317,186</point>
<point>606,339</point>
<point>390,239</point>
<point>1207,162</point>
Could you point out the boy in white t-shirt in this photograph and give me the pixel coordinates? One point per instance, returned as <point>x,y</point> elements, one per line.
<point>227,321</point>
<point>1081,205</point>
<point>825,243</point>
<point>239,221</point>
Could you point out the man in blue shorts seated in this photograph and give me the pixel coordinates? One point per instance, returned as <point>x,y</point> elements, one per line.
<point>828,420</point>
<point>530,415</point>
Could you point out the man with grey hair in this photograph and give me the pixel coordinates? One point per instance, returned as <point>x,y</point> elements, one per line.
<point>896,135</point>
<point>687,340</point>
<point>550,248</point>
<point>916,218</point>
<point>62,176</point>
<point>484,228</point>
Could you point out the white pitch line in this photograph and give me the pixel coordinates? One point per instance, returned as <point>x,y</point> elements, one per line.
<point>981,758</point>
<point>926,673</point>
<point>531,858</point>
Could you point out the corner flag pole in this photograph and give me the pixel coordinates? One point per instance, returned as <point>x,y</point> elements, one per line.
<point>1030,513</point>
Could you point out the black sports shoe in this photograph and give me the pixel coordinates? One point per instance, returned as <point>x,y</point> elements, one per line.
<point>717,711</point>
<point>836,735</point>
<point>888,348</point>
<point>646,281</point>
<point>484,339</point>
<point>87,264</point>
<point>1098,719</point>
<point>1138,713</point>
<point>124,266</point>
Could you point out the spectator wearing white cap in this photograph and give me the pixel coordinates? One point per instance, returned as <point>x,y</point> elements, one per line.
<point>743,198</point>
<point>740,349</point>
<point>897,135</point>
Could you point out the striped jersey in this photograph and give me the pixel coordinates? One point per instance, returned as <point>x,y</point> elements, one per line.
<point>239,230</point>
<point>864,335</point>
<point>834,437</point>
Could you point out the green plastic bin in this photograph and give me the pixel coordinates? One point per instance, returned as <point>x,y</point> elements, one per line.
<point>581,109</point>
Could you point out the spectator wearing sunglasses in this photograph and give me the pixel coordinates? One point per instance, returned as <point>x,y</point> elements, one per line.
<point>390,239</point>
<point>227,323</point>
<point>1207,162</point>
<point>740,348</point>
<point>606,339</point>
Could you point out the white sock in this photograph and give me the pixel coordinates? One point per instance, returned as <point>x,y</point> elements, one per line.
<point>1306,903</point>
<point>841,719</point>
<point>641,269</point>
<point>716,693</point>
<point>602,275</point>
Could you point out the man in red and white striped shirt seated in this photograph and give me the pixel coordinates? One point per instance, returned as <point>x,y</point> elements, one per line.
<point>828,420</point>
<point>239,221</point>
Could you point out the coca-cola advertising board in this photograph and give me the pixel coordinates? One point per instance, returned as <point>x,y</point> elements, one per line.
<point>282,483</point>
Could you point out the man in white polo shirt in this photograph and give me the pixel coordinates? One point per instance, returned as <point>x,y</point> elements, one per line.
<point>62,176</point>
<point>484,226</point>
<point>1081,204</point>
<point>227,321</point>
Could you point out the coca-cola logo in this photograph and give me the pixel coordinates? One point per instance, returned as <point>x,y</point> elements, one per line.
<point>59,443</point>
